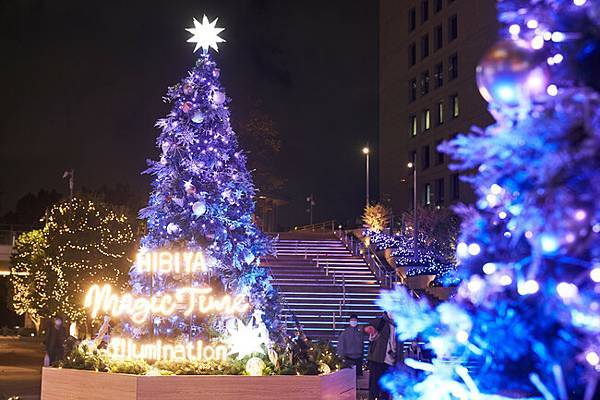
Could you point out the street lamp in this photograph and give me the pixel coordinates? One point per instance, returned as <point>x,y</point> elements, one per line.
<point>413,166</point>
<point>365,151</point>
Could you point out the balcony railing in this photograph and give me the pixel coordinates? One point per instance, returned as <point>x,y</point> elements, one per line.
<point>383,273</point>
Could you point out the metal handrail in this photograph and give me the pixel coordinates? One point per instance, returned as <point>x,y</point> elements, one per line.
<point>320,226</point>
<point>385,277</point>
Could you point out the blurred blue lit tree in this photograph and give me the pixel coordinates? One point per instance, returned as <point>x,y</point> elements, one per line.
<point>526,320</point>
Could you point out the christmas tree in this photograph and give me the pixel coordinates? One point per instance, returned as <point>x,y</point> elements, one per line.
<point>203,200</point>
<point>526,320</point>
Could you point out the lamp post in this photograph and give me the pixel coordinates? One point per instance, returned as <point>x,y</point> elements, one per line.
<point>413,166</point>
<point>365,151</point>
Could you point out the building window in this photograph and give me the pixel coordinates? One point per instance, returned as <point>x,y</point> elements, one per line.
<point>455,187</point>
<point>424,83</point>
<point>438,37</point>
<point>412,90</point>
<point>412,125</point>
<point>437,5</point>
<point>454,106</point>
<point>424,46</point>
<point>412,54</point>
<point>427,194</point>
<point>452,28</point>
<point>425,157</point>
<point>439,191</point>
<point>453,66</point>
<point>426,120</point>
<point>424,10</point>
<point>439,75</point>
<point>439,156</point>
<point>412,157</point>
<point>412,19</point>
<point>440,112</point>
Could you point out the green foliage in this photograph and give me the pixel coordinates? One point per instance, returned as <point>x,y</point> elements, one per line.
<point>32,279</point>
<point>297,357</point>
<point>304,357</point>
<point>90,358</point>
<point>187,367</point>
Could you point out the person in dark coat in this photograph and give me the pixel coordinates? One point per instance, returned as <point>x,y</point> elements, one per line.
<point>382,353</point>
<point>350,345</point>
<point>55,340</point>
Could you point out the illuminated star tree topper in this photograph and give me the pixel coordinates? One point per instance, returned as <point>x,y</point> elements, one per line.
<point>205,34</point>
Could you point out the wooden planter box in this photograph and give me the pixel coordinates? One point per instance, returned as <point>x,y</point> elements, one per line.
<point>72,384</point>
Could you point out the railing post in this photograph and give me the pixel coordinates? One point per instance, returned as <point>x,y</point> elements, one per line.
<point>344,288</point>
<point>333,321</point>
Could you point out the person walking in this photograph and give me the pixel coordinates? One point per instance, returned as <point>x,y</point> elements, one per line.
<point>382,353</point>
<point>55,341</point>
<point>350,345</point>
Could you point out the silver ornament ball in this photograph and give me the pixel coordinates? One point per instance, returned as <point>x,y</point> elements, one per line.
<point>512,74</point>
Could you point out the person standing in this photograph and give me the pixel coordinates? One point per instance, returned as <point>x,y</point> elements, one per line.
<point>382,353</point>
<point>350,345</point>
<point>55,341</point>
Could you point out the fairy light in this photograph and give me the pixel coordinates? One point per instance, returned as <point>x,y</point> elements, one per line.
<point>194,299</point>
<point>82,242</point>
<point>158,350</point>
<point>566,290</point>
<point>489,268</point>
<point>592,358</point>
<point>167,262</point>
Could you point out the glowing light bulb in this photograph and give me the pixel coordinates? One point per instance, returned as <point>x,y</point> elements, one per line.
<point>566,290</point>
<point>514,29</point>
<point>537,42</point>
<point>496,189</point>
<point>462,250</point>
<point>592,358</point>
<point>579,3</point>
<point>580,215</point>
<point>489,268</point>
<point>549,243</point>
<point>552,90</point>
<point>558,58</point>
<point>474,249</point>
<point>505,280</point>
<point>475,283</point>
<point>502,215</point>
<point>532,24</point>
<point>558,37</point>
<point>595,274</point>
<point>528,287</point>
<point>463,336</point>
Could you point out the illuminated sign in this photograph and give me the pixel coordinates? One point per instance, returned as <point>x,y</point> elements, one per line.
<point>157,350</point>
<point>167,262</point>
<point>187,301</point>
<point>139,309</point>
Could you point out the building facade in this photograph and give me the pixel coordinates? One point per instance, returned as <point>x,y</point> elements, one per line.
<point>428,51</point>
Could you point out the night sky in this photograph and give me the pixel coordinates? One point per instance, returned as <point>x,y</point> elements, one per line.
<point>82,85</point>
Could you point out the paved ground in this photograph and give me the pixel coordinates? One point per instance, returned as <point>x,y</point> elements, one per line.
<point>20,368</point>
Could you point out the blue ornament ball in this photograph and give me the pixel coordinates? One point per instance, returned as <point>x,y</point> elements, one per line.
<point>199,208</point>
<point>511,74</point>
<point>198,117</point>
<point>588,63</point>
<point>218,97</point>
<point>172,228</point>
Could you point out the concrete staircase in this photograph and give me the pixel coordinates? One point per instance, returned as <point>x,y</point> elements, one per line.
<point>322,283</point>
